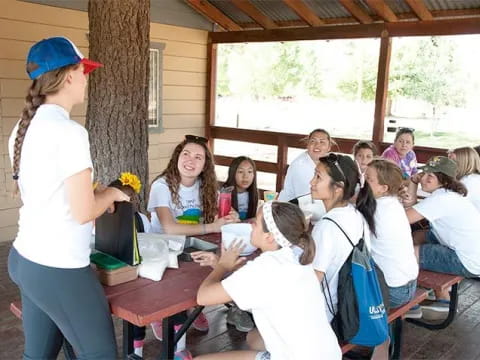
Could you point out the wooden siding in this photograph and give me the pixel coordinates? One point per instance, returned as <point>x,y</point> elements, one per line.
<point>184,84</point>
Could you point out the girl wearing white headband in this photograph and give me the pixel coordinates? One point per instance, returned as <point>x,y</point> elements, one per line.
<point>279,287</point>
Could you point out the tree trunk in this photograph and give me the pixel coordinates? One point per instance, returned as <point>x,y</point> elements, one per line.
<point>117,111</point>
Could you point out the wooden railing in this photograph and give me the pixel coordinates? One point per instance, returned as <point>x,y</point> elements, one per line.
<point>283,141</point>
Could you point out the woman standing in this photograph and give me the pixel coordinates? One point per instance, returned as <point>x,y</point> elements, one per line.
<point>52,168</point>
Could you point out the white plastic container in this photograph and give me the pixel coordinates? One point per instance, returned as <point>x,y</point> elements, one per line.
<point>241,232</point>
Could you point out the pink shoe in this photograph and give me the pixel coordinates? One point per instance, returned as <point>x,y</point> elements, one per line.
<point>157,330</point>
<point>201,323</point>
<point>183,355</point>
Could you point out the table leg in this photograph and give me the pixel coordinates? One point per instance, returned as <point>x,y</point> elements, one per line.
<point>127,339</point>
<point>168,343</point>
<point>396,340</point>
<point>452,311</point>
<point>190,319</point>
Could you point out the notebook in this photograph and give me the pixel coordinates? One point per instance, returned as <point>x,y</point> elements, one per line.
<point>116,235</point>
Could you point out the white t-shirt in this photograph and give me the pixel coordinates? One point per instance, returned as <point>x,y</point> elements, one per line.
<point>147,227</point>
<point>455,223</point>
<point>287,305</point>
<point>332,248</point>
<point>242,202</point>
<point>472,183</point>
<point>392,247</point>
<point>189,211</point>
<point>55,148</point>
<point>297,181</point>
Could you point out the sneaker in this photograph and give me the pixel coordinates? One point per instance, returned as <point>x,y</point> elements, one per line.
<point>414,313</point>
<point>240,319</point>
<point>138,347</point>
<point>436,310</point>
<point>157,330</point>
<point>201,323</point>
<point>183,355</point>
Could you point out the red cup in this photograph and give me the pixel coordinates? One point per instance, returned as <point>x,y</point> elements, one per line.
<point>225,204</point>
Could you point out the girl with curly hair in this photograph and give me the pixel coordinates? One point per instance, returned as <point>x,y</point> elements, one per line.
<point>183,198</point>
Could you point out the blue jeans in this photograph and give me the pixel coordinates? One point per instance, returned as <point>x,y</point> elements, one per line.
<point>440,258</point>
<point>402,294</point>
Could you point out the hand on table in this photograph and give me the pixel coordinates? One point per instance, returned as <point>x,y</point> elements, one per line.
<point>205,258</point>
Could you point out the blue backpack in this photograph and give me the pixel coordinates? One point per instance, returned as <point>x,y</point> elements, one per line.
<point>361,318</point>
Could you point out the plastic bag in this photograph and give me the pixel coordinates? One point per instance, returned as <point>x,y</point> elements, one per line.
<point>155,257</point>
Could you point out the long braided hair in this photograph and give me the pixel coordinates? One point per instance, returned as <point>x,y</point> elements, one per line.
<point>48,83</point>
<point>208,180</point>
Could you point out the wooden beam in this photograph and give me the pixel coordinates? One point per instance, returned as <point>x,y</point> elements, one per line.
<point>357,12</point>
<point>211,90</point>
<point>214,15</point>
<point>382,88</point>
<point>265,166</point>
<point>304,12</point>
<point>382,9</point>
<point>424,28</point>
<point>420,9</point>
<point>282,156</point>
<point>248,8</point>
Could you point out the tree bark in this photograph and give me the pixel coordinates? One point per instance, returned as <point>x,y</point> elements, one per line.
<point>117,113</point>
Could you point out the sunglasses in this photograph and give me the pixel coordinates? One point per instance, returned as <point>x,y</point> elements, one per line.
<point>406,129</point>
<point>196,139</point>
<point>332,161</point>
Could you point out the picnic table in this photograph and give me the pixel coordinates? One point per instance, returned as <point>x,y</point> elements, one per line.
<point>143,301</point>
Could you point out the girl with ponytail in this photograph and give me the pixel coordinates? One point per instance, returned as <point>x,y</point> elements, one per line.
<point>336,177</point>
<point>52,170</point>
<point>279,286</point>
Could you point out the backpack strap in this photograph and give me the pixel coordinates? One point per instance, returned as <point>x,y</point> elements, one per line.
<point>344,233</point>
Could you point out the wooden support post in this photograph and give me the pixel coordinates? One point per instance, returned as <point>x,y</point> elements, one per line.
<point>382,88</point>
<point>282,156</point>
<point>211,91</point>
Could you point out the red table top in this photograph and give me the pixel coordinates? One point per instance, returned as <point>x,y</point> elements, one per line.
<point>142,301</point>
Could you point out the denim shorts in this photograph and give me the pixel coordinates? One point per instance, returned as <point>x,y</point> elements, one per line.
<point>263,355</point>
<point>440,258</point>
<point>402,294</point>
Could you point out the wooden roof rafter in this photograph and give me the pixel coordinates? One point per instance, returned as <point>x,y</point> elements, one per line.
<point>420,9</point>
<point>382,9</point>
<point>248,8</point>
<point>357,12</point>
<point>214,15</point>
<point>304,12</point>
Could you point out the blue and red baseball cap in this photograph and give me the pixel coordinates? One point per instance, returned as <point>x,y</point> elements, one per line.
<point>54,53</point>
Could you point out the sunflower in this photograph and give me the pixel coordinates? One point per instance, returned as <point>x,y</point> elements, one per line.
<point>132,180</point>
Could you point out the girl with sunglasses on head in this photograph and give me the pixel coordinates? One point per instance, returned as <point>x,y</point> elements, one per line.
<point>451,245</point>
<point>52,169</point>
<point>468,171</point>
<point>336,177</point>
<point>302,168</point>
<point>280,288</point>
<point>401,152</point>
<point>183,200</point>
<point>335,182</point>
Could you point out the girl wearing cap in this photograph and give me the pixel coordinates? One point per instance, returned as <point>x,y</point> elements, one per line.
<point>451,245</point>
<point>401,152</point>
<point>302,168</point>
<point>280,288</point>
<point>52,169</point>
<point>468,172</point>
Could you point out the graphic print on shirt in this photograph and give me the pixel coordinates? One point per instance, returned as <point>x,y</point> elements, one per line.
<point>191,212</point>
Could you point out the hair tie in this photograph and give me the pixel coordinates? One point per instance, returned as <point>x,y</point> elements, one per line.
<point>272,227</point>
